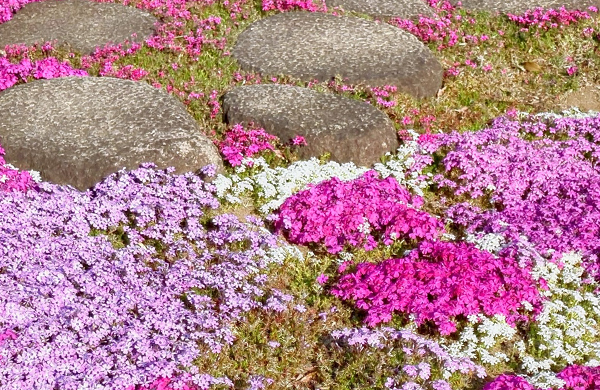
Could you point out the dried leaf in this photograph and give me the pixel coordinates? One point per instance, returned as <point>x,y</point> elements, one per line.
<point>531,66</point>
<point>307,376</point>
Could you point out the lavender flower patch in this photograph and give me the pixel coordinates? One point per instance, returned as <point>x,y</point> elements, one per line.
<point>84,309</point>
<point>541,177</point>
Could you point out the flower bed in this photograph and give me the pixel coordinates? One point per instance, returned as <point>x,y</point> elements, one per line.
<point>124,284</point>
<point>360,212</point>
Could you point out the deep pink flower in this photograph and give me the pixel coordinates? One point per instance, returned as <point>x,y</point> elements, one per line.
<point>439,281</point>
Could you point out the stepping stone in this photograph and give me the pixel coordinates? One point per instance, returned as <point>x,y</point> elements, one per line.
<point>351,130</point>
<point>520,6</point>
<point>78,130</point>
<point>320,46</point>
<point>82,24</point>
<point>385,9</point>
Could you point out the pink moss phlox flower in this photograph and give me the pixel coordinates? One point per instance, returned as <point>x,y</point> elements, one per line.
<point>445,27</point>
<point>6,335</point>
<point>299,141</point>
<point>576,377</point>
<point>580,377</point>
<point>429,142</point>
<point>572,70</point>
<point>438,282</point>
<point>551,18</point>
<point>124,311</point>
<point>240,143</point>
<point>47,68</point>
<point>322,279</point>
<point>509,382</point>
<point>287,5</point>
<point>382,95</point>
<point>8,7</point>
<point>358,212</point>
<point>213,101</point>
<point>13,179</point>
<point>542,180</point>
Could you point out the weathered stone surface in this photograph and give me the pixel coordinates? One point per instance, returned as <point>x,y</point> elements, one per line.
<point>82,24</point>
<point>385,9</point>
<point>520,6</point>
<point>351,130</point>
<point>320,46</point>
<point>79,130</point>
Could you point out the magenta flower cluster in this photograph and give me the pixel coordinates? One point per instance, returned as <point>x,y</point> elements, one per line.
<point>8,7</point>
<point>550,18</point>
<point>541,178</point>
<point>287,5</point>
<point>509,382</point>
<point>359,212</point>
<point>580,377</point>
<point>240,142</point>
<point>78,309</point>
<point>438,282</point>
<point>47,68</point>
<point>576,377</point>
<point>444,27</point>
<point>13,179</point>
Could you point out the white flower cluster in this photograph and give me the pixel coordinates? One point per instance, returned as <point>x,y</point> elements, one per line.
<point>35,175</point>
<point>481,339</point>
<point>564,333</point>
<point>490,242</point>
<point>270,187</point>
<point>573,112</point>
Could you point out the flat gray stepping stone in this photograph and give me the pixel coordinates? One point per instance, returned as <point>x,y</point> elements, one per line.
<point>320,46</point>
<point>385,9</point>
<point>351,130</point>
<point>520,6</point>
<point>82,24</point>
<point>78,130</point>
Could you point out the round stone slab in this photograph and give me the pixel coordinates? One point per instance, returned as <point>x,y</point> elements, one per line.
<point>320,46</point>
<point>82,24</point>
<point>385,9</point>
<point>78,130</point>
<point>350,130</point>
<point>520,6</point>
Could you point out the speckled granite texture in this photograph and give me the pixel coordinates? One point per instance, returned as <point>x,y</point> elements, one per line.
<point>351,130</point>
<point>385,9</point>
<point>81,24</point>
<point>320,46</point>
<point>520,6</point>
<point>100,125</point>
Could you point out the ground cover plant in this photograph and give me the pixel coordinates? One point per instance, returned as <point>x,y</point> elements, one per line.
<point>466,259</point>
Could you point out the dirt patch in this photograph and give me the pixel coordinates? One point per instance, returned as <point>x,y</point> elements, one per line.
<point>586,98</point>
